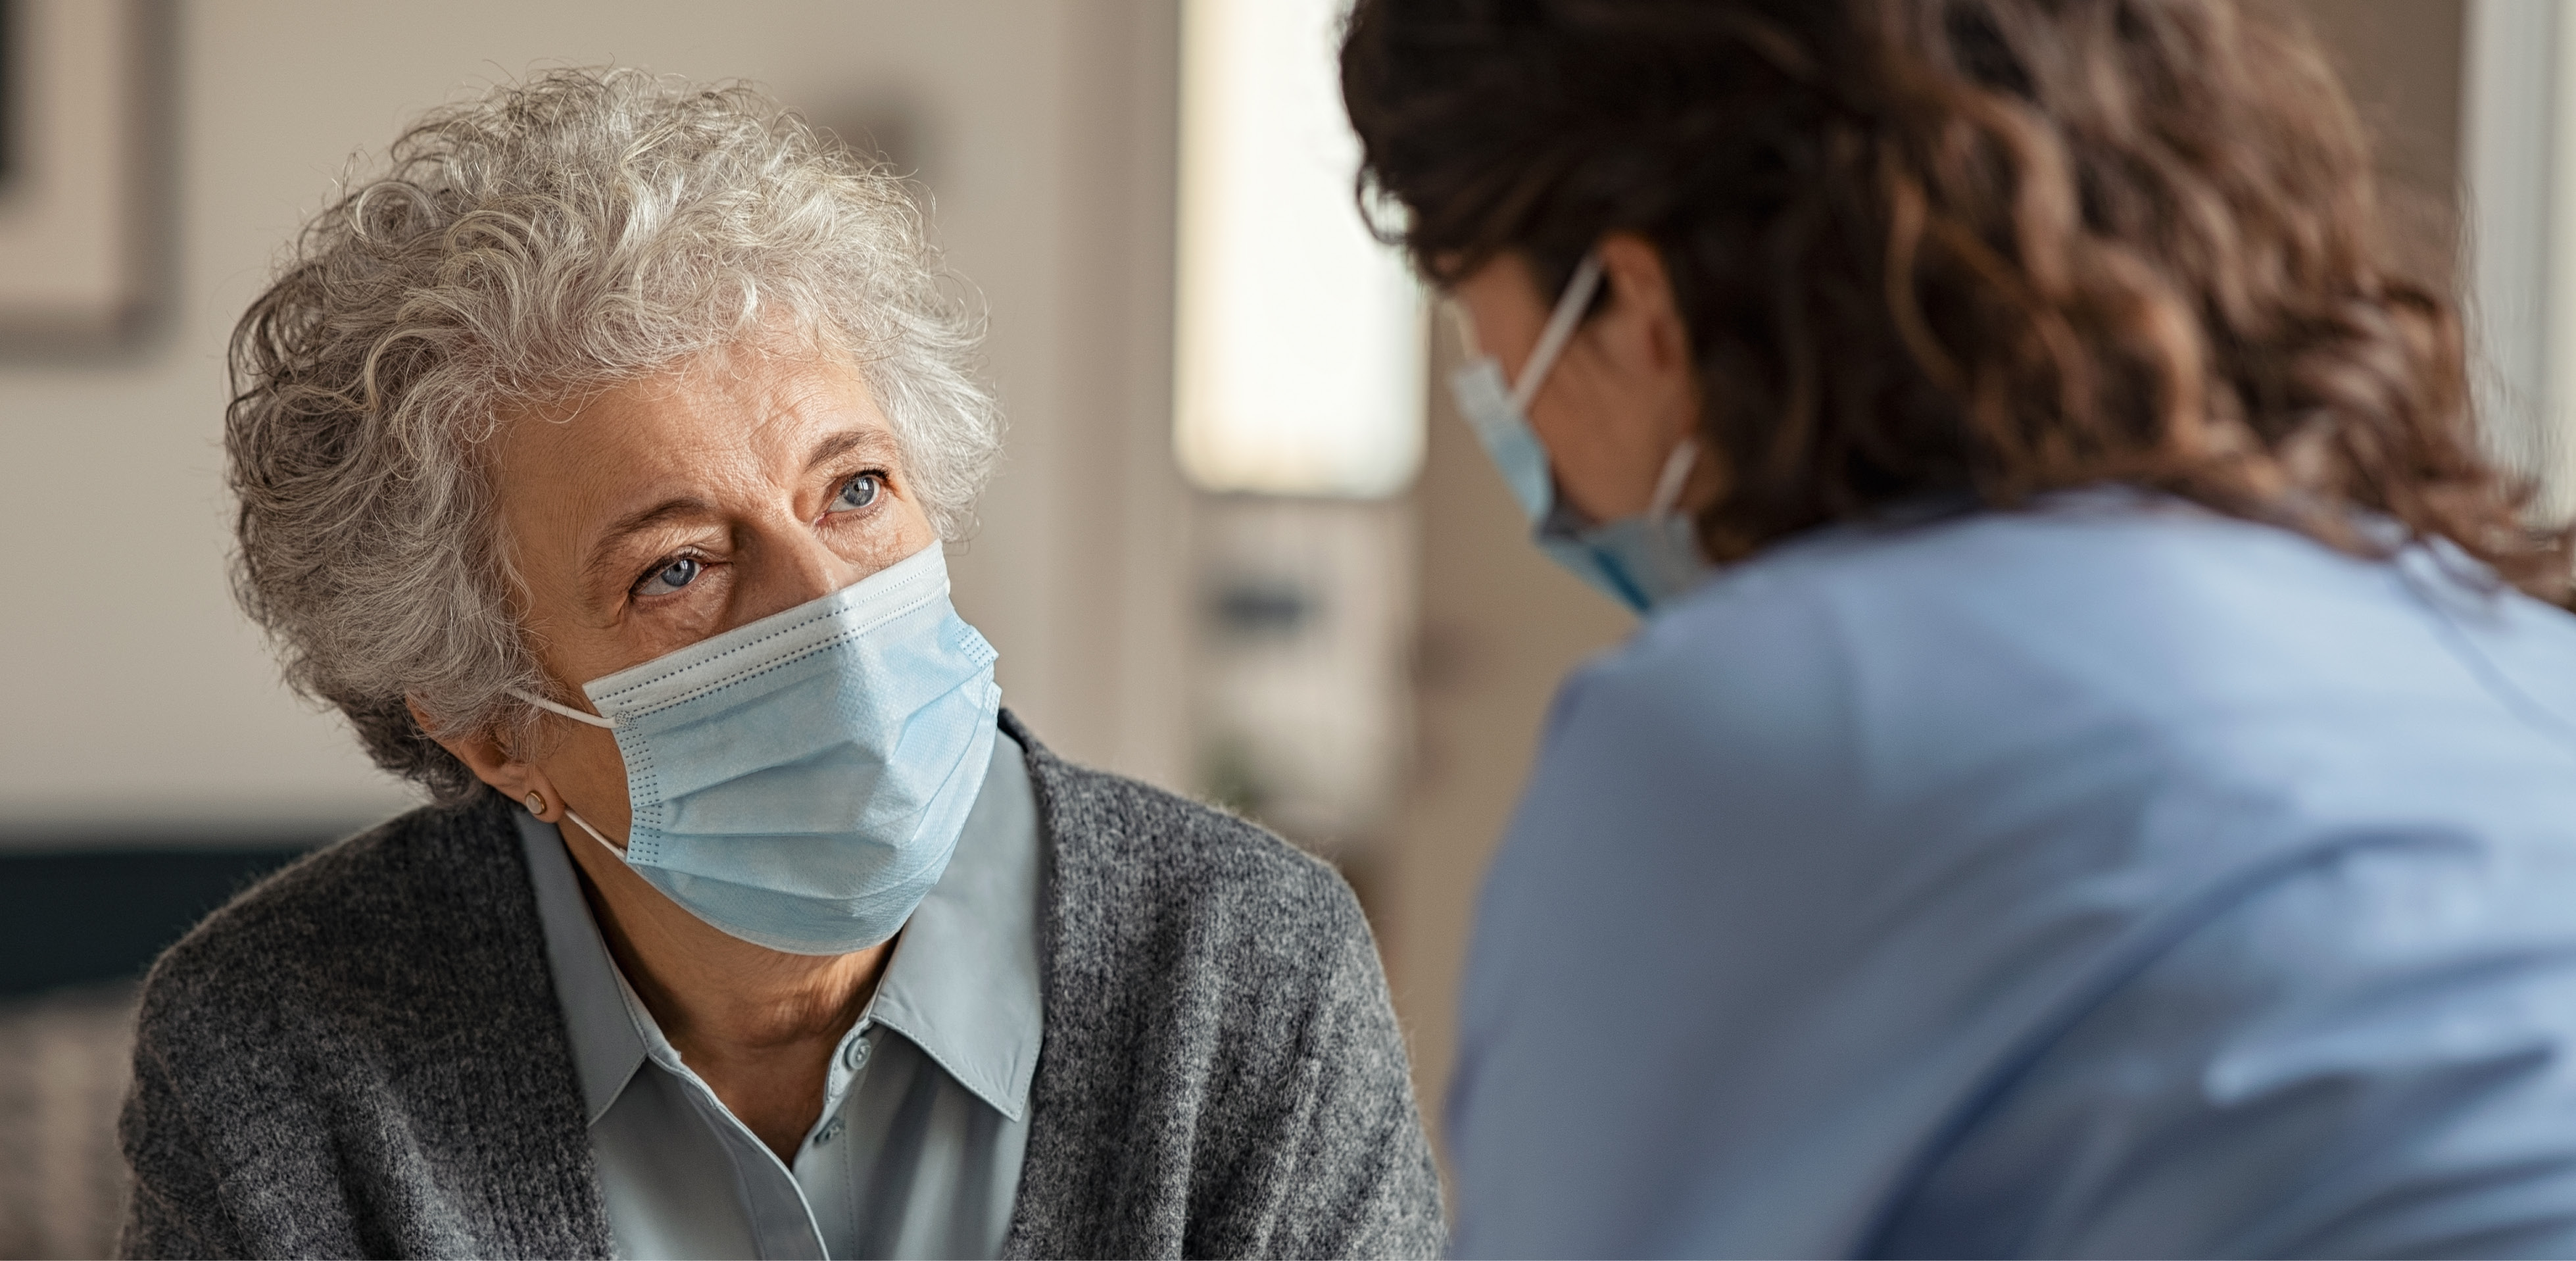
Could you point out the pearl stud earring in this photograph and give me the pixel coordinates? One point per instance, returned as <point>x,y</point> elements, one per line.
<point>537,804</point>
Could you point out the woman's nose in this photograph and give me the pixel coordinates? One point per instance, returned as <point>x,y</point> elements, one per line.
<point>789,569</point>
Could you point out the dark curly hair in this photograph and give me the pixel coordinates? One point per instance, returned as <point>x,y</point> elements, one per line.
<point>1994,246</point>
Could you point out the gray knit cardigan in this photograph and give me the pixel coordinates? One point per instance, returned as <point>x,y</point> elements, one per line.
<point>363,1055</point>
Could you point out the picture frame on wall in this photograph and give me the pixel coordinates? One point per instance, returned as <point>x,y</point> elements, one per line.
<point>85,175</point>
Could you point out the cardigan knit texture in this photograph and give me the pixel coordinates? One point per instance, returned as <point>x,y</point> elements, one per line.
<point>363,1054</point>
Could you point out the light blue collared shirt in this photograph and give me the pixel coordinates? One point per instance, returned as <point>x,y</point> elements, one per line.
<point>917,1150</point>
<point>2108,879</point>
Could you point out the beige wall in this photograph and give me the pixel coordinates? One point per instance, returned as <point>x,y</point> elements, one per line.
<point>1500,625</point>
<point>2402,62</point>
<point>138,695</point>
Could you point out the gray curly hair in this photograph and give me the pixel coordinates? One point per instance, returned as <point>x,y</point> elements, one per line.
<point>553,238</point>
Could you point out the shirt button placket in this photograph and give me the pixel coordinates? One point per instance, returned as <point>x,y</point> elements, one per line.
<point>782,1220</point>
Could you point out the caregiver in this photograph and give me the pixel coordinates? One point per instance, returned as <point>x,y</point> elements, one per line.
<point>2091,780</point>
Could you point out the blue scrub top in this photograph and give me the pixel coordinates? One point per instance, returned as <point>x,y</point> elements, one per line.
<point>2109,878</point>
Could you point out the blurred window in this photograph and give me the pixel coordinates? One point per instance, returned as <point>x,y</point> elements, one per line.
<point>2518,273</point>
<point>1300,344</point>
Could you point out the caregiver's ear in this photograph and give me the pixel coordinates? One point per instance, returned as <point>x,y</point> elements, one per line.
<point>1639,323</point>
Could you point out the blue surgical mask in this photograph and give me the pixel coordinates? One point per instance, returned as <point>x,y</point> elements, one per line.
<point>800,782</point>
<point>1640,561</point>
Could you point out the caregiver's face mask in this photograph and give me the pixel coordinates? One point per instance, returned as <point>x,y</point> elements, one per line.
<point>1639,561</point>
<point>800,781</point>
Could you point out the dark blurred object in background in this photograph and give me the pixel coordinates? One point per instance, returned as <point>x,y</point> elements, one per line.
<point>87,233</point>
<point>77,928</point>
<point>100,912</point>
<point>10,77</point>
<point>62,1076</point>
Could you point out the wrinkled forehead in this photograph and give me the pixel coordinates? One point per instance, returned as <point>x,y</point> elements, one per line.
<point>726,435</point>
<point>737,406</point>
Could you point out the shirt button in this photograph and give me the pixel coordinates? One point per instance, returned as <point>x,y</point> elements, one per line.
<point>855,1055</point>
<point>831,1130</point>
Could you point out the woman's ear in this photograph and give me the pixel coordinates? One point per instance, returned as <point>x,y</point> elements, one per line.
<point>1641,302</point>
<point>1643,328</point>
<point>491,759</point>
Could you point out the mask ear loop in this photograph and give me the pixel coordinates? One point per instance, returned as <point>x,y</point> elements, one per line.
<point>577,716</point>
<point>565,710</point>
<point>575,816</point>
<point>1464,323</point>
<point>1669,483</point>
<point>1560,330</point>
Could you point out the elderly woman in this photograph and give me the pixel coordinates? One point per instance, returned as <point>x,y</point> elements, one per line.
<point>595,462</point>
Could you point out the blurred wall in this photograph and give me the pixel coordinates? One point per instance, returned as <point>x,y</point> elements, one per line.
<point>139,701</point>
<point>1500,625</point>
<point>2403,62</point>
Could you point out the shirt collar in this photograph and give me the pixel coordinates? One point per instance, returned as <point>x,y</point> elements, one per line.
<point>606,1046</point>
<point>963,984</point>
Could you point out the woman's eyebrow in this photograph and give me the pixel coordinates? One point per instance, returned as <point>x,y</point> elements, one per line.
<point>873,442</point>
<point>603,553</point>
<point>602,557</point>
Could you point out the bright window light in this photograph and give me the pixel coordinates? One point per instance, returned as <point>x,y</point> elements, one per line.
<point>1300,347</point>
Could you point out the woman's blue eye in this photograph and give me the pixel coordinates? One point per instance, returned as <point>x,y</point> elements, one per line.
<point>671,577</point>
<point>857,493</point>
